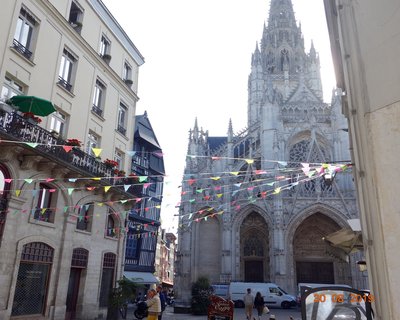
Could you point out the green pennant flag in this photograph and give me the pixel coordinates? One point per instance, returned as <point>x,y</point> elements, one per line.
<point>32,144</point>
<point>70,190</point>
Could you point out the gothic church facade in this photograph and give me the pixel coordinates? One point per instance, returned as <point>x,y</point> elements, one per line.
<point>256,205</point>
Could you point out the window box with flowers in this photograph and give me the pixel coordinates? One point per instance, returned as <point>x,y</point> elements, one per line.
<point>30,117</point>
<point>111,163</point>
<point>73,142</point>
<point>121,173</point>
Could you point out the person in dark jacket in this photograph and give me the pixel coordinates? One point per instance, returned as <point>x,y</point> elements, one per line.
<point>259,304</point>
<point>163,299</point>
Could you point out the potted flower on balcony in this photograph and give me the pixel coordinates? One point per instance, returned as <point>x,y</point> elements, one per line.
<point>30,117</point>
<point>73,142</point>
<point>110,163</point>
<point>121,173</point>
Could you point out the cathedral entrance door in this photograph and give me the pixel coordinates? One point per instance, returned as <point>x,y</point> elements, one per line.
<point>315,272</point>
<point>253,271</point>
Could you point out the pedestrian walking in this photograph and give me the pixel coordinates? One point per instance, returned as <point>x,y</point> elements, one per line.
<point>154,304</point>
<point>259,304</point>
<point>248,300</point>
<point>163,300</point>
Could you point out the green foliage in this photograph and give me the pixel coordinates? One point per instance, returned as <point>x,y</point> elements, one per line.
<point>125,291</point>
<point>201,291</point>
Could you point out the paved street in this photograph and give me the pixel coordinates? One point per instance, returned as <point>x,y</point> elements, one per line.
<point>169,314</point>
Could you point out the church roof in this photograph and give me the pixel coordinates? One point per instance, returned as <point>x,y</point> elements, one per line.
<point>303,93</point>
<point>216,142</point>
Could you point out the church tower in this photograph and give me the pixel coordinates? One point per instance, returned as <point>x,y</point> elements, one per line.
<point>256,205</point>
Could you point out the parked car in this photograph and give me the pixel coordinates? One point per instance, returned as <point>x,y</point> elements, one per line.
<point>273,295</point>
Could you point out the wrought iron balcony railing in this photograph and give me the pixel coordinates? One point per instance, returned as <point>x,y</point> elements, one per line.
<point>22,49</point>
<point>121,129</point>
<point>16,128</point>
<point>64,83</point>
<point>97,110</point>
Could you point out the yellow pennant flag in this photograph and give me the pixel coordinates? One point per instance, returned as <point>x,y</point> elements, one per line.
<point>106,188</point>
<point>96,179</point>
<point>249,161</point>
<point>97,151</point>
<point>235,173</point>
<point>17,192</point>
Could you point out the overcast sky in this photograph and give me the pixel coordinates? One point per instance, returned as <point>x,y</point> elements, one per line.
<point>197,61</point>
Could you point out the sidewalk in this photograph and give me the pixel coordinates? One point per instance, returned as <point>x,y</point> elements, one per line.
<point>168,314</point>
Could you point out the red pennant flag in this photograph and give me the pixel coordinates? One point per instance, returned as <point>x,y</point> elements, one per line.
<point>67,148</point>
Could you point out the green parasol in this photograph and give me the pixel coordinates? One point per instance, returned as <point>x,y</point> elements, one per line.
<point>37,106</point>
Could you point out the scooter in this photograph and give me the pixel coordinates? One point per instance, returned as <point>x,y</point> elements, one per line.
<point>141,310</point>
<point>170,301</point>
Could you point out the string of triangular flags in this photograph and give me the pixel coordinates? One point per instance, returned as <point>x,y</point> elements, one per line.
<point>67,148</point>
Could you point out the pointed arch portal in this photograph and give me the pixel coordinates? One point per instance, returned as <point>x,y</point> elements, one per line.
<point>254,249</point>
<point>315,262</point>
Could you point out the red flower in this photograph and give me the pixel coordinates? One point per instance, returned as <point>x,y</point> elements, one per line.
<point>31,115</point>
<point>73,142</point>
<point>111,163</point>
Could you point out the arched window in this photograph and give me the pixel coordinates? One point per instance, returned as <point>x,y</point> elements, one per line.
<point>33,277</point>
<point>4,192</point>
<point>80,258</point>
<point>107,277</point>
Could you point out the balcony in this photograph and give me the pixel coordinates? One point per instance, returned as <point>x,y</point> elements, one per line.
<point>97,110</point>
<point>121,130</point>
<point>16,128</point>
<point>22,49</point>
<point>140,160</point>
<point>65,84</point>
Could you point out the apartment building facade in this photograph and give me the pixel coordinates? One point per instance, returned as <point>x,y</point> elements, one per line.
<point>166,251</point>
<point>64,194</point>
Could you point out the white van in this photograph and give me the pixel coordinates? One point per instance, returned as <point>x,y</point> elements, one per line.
<point>273,295</point>
<point>221,290</point>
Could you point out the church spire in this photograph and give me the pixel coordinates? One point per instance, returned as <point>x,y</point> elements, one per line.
<point>281,14</point>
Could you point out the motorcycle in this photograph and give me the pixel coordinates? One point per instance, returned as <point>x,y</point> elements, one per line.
<point>141,310</point>
<point>170,301</point>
